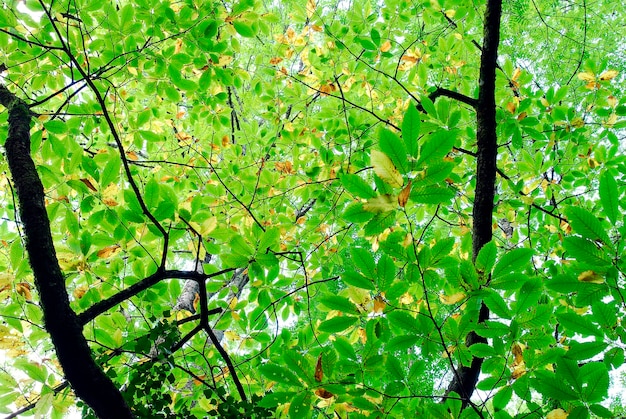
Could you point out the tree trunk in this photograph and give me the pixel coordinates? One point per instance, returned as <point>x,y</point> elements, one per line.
<point>84,375</point>
<point>465,379</point>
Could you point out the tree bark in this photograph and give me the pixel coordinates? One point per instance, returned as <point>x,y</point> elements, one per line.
<point>465,379</point>
<point>84,375</point>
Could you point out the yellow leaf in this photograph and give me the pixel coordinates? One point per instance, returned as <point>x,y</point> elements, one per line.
<point>518,371</point>
<point>578,122</point>
<point>450,13</point>
<point>310,8</point>
<point>612,101</point>
<point>518,353</point>
<point>590,276</point>
<point>386,46</point>
<point>79,292</point>
<point>385,169</point>
<point>611,121</point>
<point>381,203</point>
<point>108,251</point>
<point>608,75</point>
<point>557,414</point>
<point>379,304</point>
<point>208,225</point>
<point>451,299</point>
<point>586,76</point>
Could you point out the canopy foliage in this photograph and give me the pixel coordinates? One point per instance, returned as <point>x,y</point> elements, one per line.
<point>269,209</point>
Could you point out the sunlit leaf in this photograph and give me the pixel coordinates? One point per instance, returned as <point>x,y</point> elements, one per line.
<point>385,169</point>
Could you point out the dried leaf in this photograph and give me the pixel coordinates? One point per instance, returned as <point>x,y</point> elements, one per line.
<point>403,197</point>
<point>23,289</point>
<point>88,183</point>
<point>323,394</point>
<point>319,372</point>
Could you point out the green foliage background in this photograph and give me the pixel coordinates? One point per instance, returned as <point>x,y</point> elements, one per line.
<point>284,141</point>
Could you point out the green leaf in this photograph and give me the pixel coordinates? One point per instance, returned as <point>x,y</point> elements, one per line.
<point>336,302</point>
<point>441,249</point>
<point>512,261</point>
<point>300,405</point>
<point>578,324</point>
<point>609,197</point>
<point>337,324</point>
<point>403,320</point>
<point>279,374</point>
<point>55,126</point>
<point>585,350</point>
<point>492,329</point>
<point>364,261</point>
<point>244,29</point>
<point>355,213</point>
<point>548,385</point>
<point>356,186</point>
<point>436,146</point>
<point>502,397</point>
<point>395,149</point>
<point>344,348</point>
<point>151,193</point>
<point>428,106</point>
<point>357,280</point>
<point>379,223</point>
<point>432,195</point>
<point>586,224</point>
<point>411,129</point>
<point>436,172</point>
<point>401,343</point>
<point>601,411</point>
<point>386,272</point>
<point>585,251</point>
<point>496,304</point>
<point>595,377</point>
<point>486,257</point>
<point>385,169</point>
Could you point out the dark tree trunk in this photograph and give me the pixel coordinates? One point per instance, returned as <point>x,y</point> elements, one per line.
<point>465,379</point>
<point>84,375</point>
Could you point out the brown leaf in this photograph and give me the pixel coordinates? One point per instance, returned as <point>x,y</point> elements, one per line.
<point>324,394</point>
<point>403,197</point>
<point>319,372</point>
<point>88,183</point>
<point>23,289</point>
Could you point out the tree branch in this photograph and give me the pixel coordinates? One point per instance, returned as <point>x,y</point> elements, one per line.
<point>104,305</point>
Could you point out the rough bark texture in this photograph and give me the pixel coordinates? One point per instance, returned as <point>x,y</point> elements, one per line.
<point>465,379</point>
<point>84,375</point>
